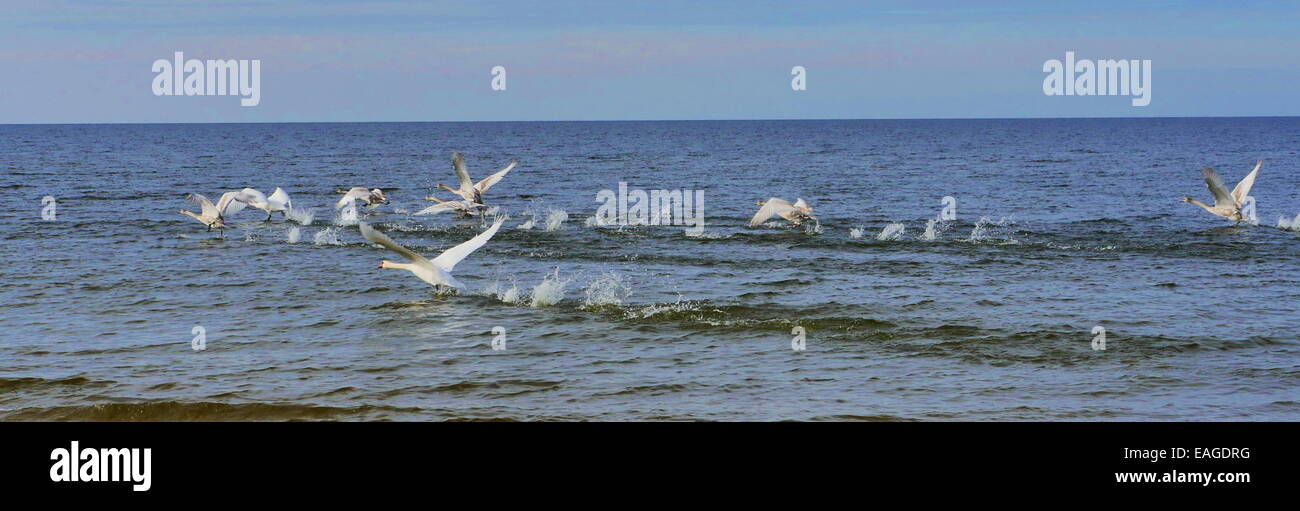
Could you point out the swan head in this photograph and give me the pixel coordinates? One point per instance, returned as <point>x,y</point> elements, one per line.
<point>1185,199</point>
<point>387,264</point>
<point>377,195</point>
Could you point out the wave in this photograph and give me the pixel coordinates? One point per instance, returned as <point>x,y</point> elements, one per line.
<point>183,411</point>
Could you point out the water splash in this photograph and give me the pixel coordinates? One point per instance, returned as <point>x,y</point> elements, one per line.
<point>294,235</point>
<point>1289,225</point>
<point>607,290</point>
<point>986,230</point>
<point>549,292</point>
<point>300,215</point>
<point>856,233</point>
<point>327,236</point>
<point>812,228</point>
<point>929,234</point>
<point>505,295</point>
<point>891,232</point>
<point>348,215</point>
<point>527,225</point>
<point>555,219</point>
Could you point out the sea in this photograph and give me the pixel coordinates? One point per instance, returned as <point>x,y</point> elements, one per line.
<point>957,270</point>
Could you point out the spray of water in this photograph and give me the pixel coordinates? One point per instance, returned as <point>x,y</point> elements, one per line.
<point>929,233</point>
<point>555,219</point>
<point>327,236</point>
<point>300,215</point>
<point>608,290</point>
<point>500,292</point>
<point>891,232</point>
<point>549,292</point>
<point>294,235</point>
<point>348,215</point>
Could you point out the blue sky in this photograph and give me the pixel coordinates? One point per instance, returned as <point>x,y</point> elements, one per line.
<point>82,61</point>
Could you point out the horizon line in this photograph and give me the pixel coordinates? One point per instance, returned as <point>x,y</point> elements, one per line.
<point>666,120</point>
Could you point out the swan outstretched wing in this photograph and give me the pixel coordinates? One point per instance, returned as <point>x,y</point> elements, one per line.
<point>447,260</point>
<point>1215,183</point>
<point>1243,188</point>
<point>487,182</point>
<point>279,199</point>
<point>771,208</point>
<point>230,203</point>
<point>374,236</point>
<point>438,208</point>
<point>251,197</point>
<point>208,210</point>
<point>458,164</point>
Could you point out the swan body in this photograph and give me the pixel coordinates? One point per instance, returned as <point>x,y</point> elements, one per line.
<point>438,271</point>
<point>796,213</point>
<point>1227,204</point>
<point>214,215</point>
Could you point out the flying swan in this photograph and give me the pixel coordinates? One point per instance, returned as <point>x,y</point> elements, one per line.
<point>1227,204</point>
<point>214,216</point>
<point>370,197</point>
<point>438,271</point>
<point>278,201</point>
<point>796,213</point>
<point>469,191</point>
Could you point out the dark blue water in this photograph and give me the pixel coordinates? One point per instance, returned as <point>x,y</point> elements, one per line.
<point>1061,226</point>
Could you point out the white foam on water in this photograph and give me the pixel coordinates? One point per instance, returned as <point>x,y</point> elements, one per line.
<point>294,235</point>
<point>891,232</point>
<point>526,225</point>
<point>549,292</point>
<point>555,219</point>
<point>704,235</point>
<point>327,236</point>
<point>855,233</point>
<point>609,289</point>
<point>653,309</point>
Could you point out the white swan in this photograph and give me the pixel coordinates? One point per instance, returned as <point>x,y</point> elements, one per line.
<point>214,216</point>
<point>370,197</point>
<point>438,271</point>
<point>1227,204</point>
<point>796,213</point>
<point>461,206</point>
<point>278,201</point>
<point>468,190</point>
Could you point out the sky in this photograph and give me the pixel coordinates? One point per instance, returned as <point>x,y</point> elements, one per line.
<point>73,61</point>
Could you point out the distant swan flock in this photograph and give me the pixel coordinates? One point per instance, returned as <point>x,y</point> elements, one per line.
<point>1231,205</point>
